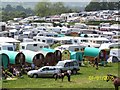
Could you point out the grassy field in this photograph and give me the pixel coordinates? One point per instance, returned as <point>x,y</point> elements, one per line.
<point>81,80</point>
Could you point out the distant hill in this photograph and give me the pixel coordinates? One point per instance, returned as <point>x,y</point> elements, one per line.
<point>77,5</point>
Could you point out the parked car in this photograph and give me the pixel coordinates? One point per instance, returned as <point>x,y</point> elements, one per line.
<point>68,65</point>
<point>46,71</point>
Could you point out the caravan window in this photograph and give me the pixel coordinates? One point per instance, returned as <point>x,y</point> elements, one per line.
<point>38,39</point>
<point>75,41</point>
<point>43,40</point>
<point>46,47</point>
<point>55,35</point>
<point>49,41</point>
<point>76,49</point>
<point>99,42</point>
<point>34,39</point>
<point>41,46</point>
<point>40,35</point>
<point>35,45</point>
<point>10,48</point>
<point>0,48</point>
<point>84,40</point>
<point>23,47</point>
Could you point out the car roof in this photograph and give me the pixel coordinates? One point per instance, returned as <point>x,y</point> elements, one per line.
<point>49,67</point>
<point>67,61</point>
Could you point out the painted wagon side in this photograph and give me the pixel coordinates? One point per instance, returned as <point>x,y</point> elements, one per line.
<point>33,57</point>
<point>4,60</point>
<point>104,55</point>
<point>57,53</point>
<point>49,58</point>
<point>90,53</point>
<point>66,55</point>
<point>15,58</point>
<point>76,55</point>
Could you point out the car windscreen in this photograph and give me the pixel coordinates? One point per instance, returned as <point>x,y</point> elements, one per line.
<point>60,64</point>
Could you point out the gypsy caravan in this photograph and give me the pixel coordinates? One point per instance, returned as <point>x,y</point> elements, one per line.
<point>5,62</point>
<point>90,53</point>
<point>57,54</point>
<point>32,57</point>
<point>76,56</point>
<point>49,58</point>
<point>16,59</point>
<point>66,55</point>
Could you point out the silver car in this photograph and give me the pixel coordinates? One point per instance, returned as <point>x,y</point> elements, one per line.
<point>46,71</point>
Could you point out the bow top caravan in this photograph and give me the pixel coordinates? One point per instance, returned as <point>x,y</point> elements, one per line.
<point>33,46</point>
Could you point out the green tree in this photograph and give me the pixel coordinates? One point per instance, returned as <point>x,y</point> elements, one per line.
<point>93,6</point>
<point>97,5</point>
<point>8,8</point>
<point>48,8</point>
<point>43,9</point>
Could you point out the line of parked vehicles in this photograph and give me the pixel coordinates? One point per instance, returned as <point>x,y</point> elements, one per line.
<point>51,71</point>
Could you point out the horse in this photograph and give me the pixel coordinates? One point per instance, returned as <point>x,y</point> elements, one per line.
<point>114,79</point>
<point>62,75</point>
<point>59,75</point>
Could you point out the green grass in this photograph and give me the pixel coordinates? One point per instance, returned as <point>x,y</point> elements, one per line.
<point>81,80</point>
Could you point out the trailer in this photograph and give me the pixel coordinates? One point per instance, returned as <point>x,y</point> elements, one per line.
<point>5,62</point>
<point>90,53</point>
<point>32,57</point>
<point>33,46</point>
<point>114,55</point>
<point>57,53</point>
<point>16,59</point>
<point>7,46</point>
<point>48,40</point>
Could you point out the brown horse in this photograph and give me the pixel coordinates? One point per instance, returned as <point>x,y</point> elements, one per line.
<point>114,79</point>
<point>62,75</point>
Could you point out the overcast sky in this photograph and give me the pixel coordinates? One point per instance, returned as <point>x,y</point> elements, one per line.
<point>44,0</point>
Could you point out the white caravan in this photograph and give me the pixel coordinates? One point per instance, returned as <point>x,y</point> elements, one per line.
<point>48,40</point>
<point>114,55</point>
<point>71,47</point>
<point>33,46</point>
<point>7,46</point>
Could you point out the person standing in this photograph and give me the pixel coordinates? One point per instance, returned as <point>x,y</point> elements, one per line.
<point>96,63</point>
<point>33,66</point>
<point>68,74</point>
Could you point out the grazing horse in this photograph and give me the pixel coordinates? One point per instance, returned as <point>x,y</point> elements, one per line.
<point>114,79</point>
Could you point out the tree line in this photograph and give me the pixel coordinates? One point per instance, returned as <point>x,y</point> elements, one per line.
<point>41,9</point>
<point>47,8</point>
<point>10,12</point>
<point>96,6</point>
